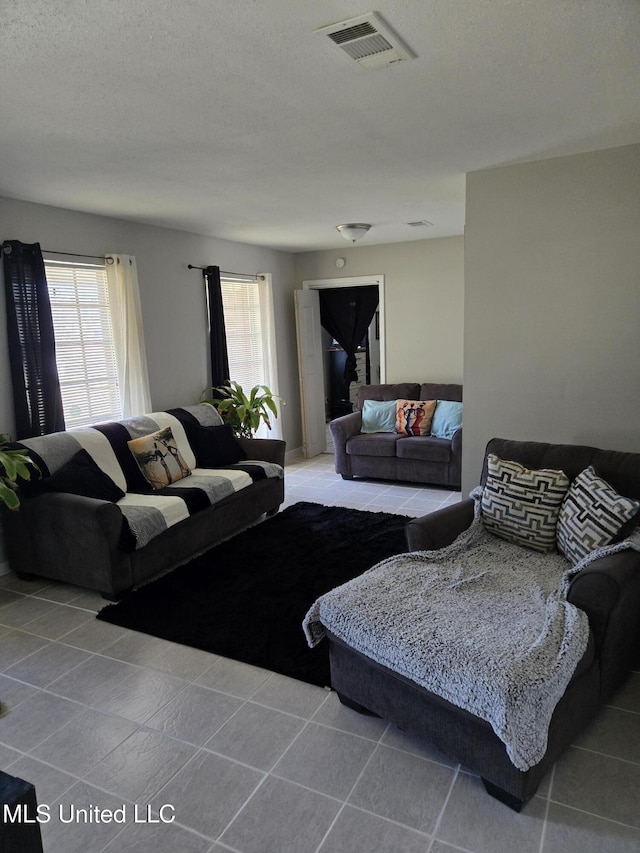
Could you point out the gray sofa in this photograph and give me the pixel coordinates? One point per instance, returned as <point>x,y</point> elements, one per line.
<point>80,540</point>
<point>389,456</point>
<point>608,590</point>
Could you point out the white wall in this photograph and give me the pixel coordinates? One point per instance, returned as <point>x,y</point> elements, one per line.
<point>552,303</point>
<point>424,287</point>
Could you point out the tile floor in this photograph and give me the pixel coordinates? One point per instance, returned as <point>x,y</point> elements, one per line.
<point>245,760</point>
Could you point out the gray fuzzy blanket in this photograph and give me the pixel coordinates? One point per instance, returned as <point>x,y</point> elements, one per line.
<point>483,623</point>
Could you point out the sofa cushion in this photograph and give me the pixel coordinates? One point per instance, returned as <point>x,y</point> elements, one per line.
<point>592,515</point>
<point>523,505</point>
<point>425,448</point>
<point>158,458</point>
<point>82,476</point>
<point>214,446</point>
<point>413,417</point>
<point>401,391</point>
<point>377,444</point>
<point>440,391</point>
<point>378,416</point>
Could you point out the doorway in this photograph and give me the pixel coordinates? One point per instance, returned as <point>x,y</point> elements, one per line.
<point>321,359</point>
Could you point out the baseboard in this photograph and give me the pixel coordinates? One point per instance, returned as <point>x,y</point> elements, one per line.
<point>293,455</point>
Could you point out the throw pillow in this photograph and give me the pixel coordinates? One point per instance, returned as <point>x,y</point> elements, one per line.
<point>82,476</point>
<point>523,505</point>
<point>592,515</point>
<point>413,417</point>
<point>378,416</point>
<point>158,458</point>
<point>214,446</point>
<point>447,419</point>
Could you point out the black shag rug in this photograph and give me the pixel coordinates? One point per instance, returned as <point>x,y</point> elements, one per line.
<point>246,598</point>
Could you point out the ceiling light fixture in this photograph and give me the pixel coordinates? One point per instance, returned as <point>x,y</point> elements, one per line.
<point>353,230</point>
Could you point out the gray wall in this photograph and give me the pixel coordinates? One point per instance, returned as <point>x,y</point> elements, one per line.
<point>424,288</point>
<point>172,297</point>
<point>552,303</point>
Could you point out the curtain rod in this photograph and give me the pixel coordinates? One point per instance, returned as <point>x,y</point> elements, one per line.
<point>229,274</point>
<point>107,258</point>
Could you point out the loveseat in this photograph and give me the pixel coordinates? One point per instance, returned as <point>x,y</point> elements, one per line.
<point>390,455</point>
<point>604,584</point>
<point>92,518</point>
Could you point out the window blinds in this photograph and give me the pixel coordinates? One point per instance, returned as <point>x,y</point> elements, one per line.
<point>245,333</point>
<point>84,343</point>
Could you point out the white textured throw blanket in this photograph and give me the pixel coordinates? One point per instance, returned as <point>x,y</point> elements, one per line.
<point>482,623</point>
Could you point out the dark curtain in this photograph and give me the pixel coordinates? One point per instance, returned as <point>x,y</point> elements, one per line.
<point>346,312</point>
<point>217,332</point>
<point>32,348</point>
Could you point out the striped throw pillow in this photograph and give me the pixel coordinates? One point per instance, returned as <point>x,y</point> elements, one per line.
<point>592,515</point>
<point>523,505</point>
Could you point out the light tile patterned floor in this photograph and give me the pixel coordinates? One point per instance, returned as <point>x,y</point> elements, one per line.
<point>253,762</point>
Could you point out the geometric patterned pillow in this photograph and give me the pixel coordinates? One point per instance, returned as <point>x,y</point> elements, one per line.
<point>158,458</point>
<point>591,516</point>
<point>523,505</point>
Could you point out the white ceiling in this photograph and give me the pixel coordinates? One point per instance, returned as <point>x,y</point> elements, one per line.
<point>232,118</point>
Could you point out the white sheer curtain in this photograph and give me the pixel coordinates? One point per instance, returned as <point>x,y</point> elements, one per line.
<point>126,318</point>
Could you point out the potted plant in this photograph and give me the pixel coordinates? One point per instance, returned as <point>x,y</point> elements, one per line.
<point>244,413</point>
<point>13,464</point>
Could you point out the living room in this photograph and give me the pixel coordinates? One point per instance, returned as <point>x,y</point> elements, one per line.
<point>532,303</point>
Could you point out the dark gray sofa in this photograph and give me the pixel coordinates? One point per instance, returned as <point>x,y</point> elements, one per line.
<point>608,590</point>
<point>389,456</point>
<point>79,540</point>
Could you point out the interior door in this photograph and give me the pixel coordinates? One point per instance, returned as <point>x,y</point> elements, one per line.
<point>311,372</point>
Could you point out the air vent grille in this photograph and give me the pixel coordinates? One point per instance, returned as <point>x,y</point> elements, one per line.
<point>367,40</point>
<point>357,32</point>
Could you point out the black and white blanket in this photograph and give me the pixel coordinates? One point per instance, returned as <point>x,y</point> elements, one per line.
<point>484,623</point>
<point>148,512</point>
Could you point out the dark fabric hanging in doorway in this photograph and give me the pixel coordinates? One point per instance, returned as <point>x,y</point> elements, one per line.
<point>346,313</point>
<point>217,332</point>
<point>32,349</point>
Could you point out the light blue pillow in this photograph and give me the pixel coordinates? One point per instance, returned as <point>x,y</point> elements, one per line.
<point>447,419</point>
<point>379,416</point>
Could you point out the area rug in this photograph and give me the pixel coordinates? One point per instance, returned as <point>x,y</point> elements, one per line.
<point>246,598</point>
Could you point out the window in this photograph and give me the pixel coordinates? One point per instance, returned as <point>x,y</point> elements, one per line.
<point>85,351</point>
<point>249,325</point>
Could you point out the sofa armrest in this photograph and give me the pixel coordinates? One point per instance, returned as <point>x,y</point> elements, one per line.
<point>69,537</point>
<point>342,429</point>
<point>608,591</point>
<point>439,529</point>
<point>264,449</point>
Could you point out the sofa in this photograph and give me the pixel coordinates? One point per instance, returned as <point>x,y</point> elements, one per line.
<point>89,517</point>
<point>392,456</point>
<point>606,589</point>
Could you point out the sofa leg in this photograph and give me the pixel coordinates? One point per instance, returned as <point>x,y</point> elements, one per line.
<point>347,476</point>
<point>504,796</point>
<point>25,576</point>
<point>271,512</point>
<point>112,596</point>
<point>355,706</point>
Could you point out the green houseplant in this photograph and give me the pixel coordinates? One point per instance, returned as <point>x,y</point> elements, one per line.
<point>13,464</point>
<point>244,413</point>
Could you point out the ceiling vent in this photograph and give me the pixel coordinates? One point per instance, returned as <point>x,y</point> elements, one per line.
<point>421,223</point>
<point>367,41</point>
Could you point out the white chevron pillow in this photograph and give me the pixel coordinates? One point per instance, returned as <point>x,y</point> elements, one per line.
<point>592,515</point>
<point>522,505</point>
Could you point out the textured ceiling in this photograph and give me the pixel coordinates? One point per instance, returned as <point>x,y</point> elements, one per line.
<point>232,118</point>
